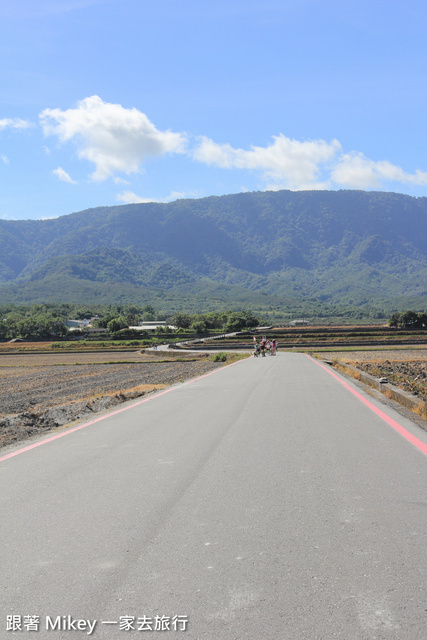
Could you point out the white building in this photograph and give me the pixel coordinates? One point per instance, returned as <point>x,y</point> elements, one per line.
<point>299,323</point>
<point>150,327</point>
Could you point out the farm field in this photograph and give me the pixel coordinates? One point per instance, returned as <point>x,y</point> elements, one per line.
<point>43,387</point>
<point>405,368</point>
<point>334,337</point>
<point>39,392</point>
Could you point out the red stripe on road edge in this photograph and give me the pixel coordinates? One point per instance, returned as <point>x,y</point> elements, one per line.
<point>108,415</point>
<point>422,446</point>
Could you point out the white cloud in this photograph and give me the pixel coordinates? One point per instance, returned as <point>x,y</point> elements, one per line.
<point>118,141</point>
<point>118,180</point>
<point>128,197</point>
<point>5,159</point>
<point>114,138</point>
<point>314,164</point>
<point>14,123</point>
<point>356,171</point>
<point>179,195</point>
<point>63,175</point>
<point>286,163</point>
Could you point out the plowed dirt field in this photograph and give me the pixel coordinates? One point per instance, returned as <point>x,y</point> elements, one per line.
<point>405,368</point>
<point>39,392</point>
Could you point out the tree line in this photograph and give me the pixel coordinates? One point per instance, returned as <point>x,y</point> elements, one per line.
<point>48,321</point>
<point>408,320</point>
<point>226,321</point>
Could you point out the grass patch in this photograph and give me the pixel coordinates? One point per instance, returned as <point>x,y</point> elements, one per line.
<point>228,358</point>
<point>219,357</point>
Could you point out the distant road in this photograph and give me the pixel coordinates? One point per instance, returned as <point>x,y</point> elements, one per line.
<point>264,501</point>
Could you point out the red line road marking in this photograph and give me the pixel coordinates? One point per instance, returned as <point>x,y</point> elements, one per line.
<point>113,413</point>
<point>422,446</point>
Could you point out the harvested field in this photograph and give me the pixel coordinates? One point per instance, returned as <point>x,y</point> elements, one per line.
<point>84,357</point>
<point>38,388</point>
<point>378,355</point>
<point>405,368</point>
<point>22,346</point>
<point>409,376</point>
<point>41,392</point>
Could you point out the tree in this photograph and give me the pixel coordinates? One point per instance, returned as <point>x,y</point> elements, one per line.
<point>409,319</point>
<point>394,320</point>
<point>58,327</point>
<point>199,326</point>
<point>422,320</point>
<point>132,314</point>
<point>241,320</point>
<point>117,323</point>
<point>148,313</point>
<point>83,312</point>
<point>3,330</point>
<point>103,322</point>
<point>181,320</point>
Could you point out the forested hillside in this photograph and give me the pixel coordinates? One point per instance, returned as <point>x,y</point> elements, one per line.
<point>313,248</point>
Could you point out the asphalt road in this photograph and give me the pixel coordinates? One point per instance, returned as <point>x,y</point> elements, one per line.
<point>264,501</point>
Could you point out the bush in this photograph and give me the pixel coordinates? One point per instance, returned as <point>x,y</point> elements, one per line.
<point>408,320</point>
<point>220,357</point>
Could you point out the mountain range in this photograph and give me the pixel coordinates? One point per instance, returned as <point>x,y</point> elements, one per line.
<point>263,249</point>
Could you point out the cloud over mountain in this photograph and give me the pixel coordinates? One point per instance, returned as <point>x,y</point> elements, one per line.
<point>285,162</point>
<point>113,138</point>
<point>356,171</point>
<point>312,164</point>
<point>119,140</point>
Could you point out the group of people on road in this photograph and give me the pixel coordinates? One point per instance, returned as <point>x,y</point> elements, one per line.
<point>265,346</point>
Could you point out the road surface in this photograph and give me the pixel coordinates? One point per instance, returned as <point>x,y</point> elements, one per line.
<point>264,501</point>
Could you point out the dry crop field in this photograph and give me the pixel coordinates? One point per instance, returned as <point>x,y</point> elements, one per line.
<point>34,386</point>
<point>78,346</point>
<point>405,368</point>
<point>38,381</point>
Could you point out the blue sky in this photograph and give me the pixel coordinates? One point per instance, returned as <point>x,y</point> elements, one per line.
<point>105,102</point>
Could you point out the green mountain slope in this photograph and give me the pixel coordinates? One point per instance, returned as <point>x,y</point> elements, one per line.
<point>345,247</point>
